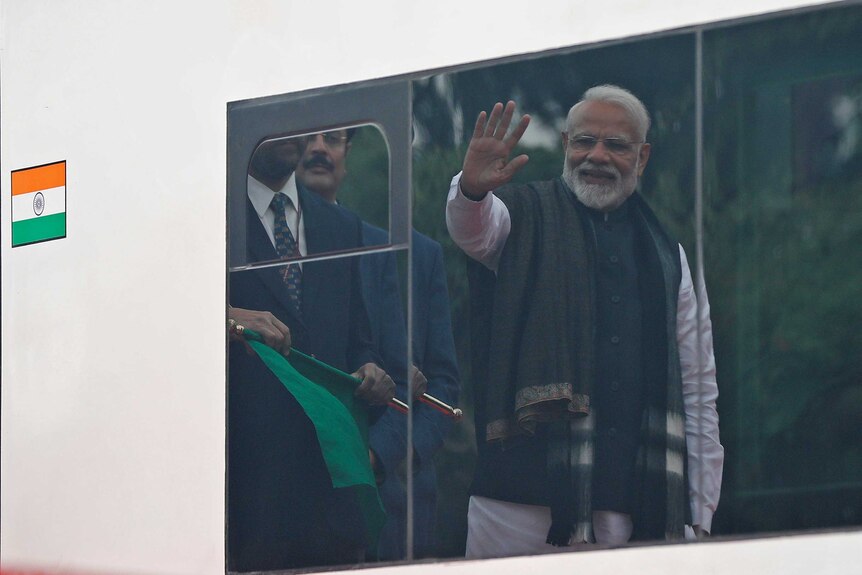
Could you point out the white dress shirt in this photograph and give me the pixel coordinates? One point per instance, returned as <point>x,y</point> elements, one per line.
<point>481,229</point>
<point>261,198</point>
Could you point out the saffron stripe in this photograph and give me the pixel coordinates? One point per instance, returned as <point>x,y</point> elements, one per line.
<point>38,229</point>
<point>41,178</point>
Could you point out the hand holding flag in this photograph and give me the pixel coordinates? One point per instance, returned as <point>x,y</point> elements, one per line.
<point>270,329</point>
<point>377,388</point>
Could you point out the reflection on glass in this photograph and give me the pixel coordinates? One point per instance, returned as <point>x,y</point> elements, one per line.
<point>434,367</point>
<point>351,167</point>
<point>445,108</point>
<point>302,484</point>
<point>322,169</point>
<point>782,227</point>
<point>827,130</point>
<point>301,171</point>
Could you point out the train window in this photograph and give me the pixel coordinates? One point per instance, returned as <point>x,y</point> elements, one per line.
<point>355,139</point>
<point>486,478</point>
<point>755,170</point>
<point>781,234</point>
<point>317,362</point>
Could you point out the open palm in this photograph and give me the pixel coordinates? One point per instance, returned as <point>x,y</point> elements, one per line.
<point>487,165</point>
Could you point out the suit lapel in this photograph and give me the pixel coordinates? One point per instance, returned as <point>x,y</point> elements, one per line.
<point>260,249</point>
<point>321,236</point>
<point>320,227</point>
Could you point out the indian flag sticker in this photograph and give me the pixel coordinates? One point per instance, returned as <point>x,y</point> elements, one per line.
<point>39,204</point>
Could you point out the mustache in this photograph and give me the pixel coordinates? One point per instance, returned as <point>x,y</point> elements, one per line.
<point>318,160</point>
<point>605,170</point>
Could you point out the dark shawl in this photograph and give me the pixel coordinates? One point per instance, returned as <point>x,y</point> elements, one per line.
<point>533,329</point>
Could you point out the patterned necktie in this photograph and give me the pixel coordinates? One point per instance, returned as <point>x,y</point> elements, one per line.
<point>286,246</point>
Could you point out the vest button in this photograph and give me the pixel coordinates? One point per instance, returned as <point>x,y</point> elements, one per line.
<point>615,299</point>
<point>614,259</point>
<point>615,339</point>
<point>612,432</point>
<point>615,385</point>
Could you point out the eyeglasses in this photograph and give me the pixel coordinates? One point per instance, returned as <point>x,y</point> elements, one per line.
<point>331,139</point>
<point>617,146</point>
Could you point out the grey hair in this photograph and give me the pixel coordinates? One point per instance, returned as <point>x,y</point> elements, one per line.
<point>620,97</point>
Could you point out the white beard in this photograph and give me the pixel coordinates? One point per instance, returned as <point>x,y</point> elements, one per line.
<point>602,197</point>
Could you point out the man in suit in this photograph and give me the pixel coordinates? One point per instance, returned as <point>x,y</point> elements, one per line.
<point>282,509</point>
<point>322,169</point>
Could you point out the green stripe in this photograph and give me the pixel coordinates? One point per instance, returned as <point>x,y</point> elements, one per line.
<point>38,229</point>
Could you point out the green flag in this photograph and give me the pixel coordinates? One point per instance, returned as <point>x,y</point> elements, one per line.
<point>327,397</point>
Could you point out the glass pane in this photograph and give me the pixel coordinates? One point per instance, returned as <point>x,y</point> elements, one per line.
<point>304,170</point>
<point>384,281</point>
<point>660,72</point>
<point>309,445</point>
<point>364,189</point>
<point>783,144</point>
<point>302,481</point>
<point>436,413</point>
<point>320,136</point>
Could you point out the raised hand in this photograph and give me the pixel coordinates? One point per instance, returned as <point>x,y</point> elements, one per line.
<point>486,164</point>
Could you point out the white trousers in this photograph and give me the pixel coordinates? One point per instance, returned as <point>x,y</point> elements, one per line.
<point>503,529</point>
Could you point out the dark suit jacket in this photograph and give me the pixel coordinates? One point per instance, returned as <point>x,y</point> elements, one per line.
<point>434,354</point>
<point>282,510</point>
<point>333,325</point>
